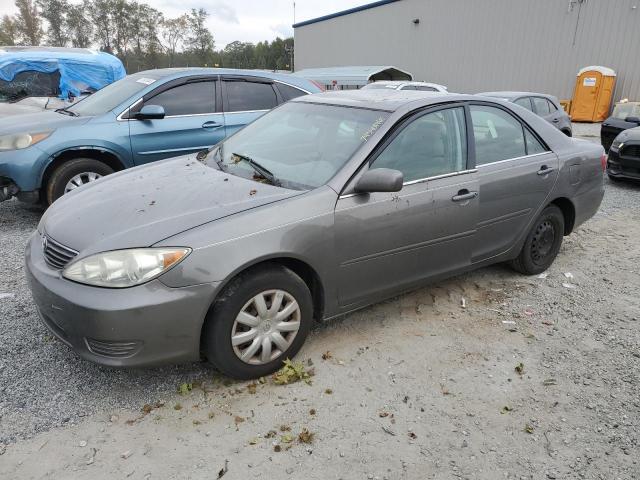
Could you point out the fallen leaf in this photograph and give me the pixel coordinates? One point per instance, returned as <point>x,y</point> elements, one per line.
<point>328,391</point>
<point>253,192</point>
<point>185,388</point>
<point>506,409</point>
<point>277,448</point>
<point>528,428</point>
<point>251,388</point>
<point>412,435</point>
<point>305,436</point>
<point>292,372</point>
<point>238,420</point>
<point>519,369</point>
<point>326,355</point>
<point>286,438</point>
<point>312,411</point>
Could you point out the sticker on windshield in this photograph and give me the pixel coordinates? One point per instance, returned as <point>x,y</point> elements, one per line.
<point>146,81</point>
<point>365,136</point>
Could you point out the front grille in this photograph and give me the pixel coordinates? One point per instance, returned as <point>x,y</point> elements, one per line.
<point>55,254</point>
<point>113,349</point>
<point>631,151</point>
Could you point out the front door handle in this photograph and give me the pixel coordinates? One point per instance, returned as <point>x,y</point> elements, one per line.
<point>544,170</point>
<point>463,195</point>
<point>211,125</point>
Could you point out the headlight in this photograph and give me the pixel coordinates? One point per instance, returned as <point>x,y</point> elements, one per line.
<point>18,141</point>
<point>124,268</point>
<point>618,142</point>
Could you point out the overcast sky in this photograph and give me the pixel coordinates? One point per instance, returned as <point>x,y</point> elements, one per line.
<point>244,20</point>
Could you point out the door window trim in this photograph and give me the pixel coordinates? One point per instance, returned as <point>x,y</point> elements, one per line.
<point>177,82</point>
<point>396,130</point>
<point>523,124</point>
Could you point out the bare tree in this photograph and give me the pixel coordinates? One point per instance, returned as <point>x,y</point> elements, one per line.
<point>28,23</point>
<point>200,41</point>
<point>99,12</point>
<point>79,27</point>
<point>55,12</point>
<point>8,31</point>
<point>174,31</point>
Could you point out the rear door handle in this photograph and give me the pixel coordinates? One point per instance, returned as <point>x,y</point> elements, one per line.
<point>555,120</point>
<point>544,170</point>
<point>211,125</point>
<point>464,195</point>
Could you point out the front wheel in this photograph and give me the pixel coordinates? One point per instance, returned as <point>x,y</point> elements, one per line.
<point>542,243</point>
<point>261,318</point>
<point>73,174</point>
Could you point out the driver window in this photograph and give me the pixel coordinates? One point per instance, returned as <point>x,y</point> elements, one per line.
<point>433,144</point>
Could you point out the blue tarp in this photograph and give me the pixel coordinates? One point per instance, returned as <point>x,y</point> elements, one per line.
<point>80,69</point>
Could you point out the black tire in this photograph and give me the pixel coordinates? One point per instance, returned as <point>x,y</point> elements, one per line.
<point>221,317</point>
<point>65,172</point>
<point>542,243</point>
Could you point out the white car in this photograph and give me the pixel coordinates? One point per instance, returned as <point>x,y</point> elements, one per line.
<point>404,85</point>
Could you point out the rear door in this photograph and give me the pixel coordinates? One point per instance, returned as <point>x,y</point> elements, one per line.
<point>516,172</point>
<point>245,99</point>
<point>389,241</point>
<point>192,121</point>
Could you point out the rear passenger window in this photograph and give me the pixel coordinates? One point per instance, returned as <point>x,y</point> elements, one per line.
<point>541,105</point>
<point>498,135</point>
<point>188,99</point>
<point>246,96</point>
<point>533,144</point>
<point>433,144</point>
<point>524,102</point>
<point>426,89</point>
<point>288,92</point>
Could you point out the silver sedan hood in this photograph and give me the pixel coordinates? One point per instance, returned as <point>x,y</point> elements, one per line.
<point>142,206</point>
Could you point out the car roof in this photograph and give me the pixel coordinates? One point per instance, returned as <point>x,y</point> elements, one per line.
<point>381,99</point>
<point>511,95</point>
<point>169,73</point>
<point>406,82</point>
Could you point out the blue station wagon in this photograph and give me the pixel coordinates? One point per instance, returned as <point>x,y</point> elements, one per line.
<point>142,118</point>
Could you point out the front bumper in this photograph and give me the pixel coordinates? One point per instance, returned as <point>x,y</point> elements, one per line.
<point>624,163</point>
<point>21,174</point>
<point>146,325</point>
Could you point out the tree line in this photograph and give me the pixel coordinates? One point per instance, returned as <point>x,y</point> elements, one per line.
<point>141,36</point>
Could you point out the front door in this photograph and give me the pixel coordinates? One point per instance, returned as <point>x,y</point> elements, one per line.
<point>516,174</point>
<point>191,122</point>
<point>387,242</point>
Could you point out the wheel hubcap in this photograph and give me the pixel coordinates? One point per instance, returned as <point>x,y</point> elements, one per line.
<point>265,327</point>
<point>543,240</point>
<point>81,179</point>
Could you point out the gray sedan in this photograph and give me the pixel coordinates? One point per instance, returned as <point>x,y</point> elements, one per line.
<point>546,106</point>
<point>327,204</point>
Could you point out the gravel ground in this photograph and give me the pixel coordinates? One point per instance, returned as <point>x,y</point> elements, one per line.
<point>415,387</point>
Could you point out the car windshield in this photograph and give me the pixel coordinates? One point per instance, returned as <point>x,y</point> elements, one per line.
<point>111,96</point>
<point>624,110</point>
<point>299,145</point>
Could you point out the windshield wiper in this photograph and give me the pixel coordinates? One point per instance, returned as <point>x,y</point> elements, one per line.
<point>64,111</point>
<point>259,169</point>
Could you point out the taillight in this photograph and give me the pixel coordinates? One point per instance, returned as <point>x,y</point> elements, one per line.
<point>319,85</point>
<point>603,161</point>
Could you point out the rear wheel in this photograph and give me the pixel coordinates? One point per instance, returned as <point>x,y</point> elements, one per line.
<point>542,243</point>
<point>261,318</point>
<point>73,174</point>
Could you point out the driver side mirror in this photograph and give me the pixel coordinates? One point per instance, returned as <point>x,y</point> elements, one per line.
<point>633,120</point>
<point>150,112</point>
<point>380,180</point>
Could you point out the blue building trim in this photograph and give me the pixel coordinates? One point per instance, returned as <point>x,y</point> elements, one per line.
<point>344,12</point>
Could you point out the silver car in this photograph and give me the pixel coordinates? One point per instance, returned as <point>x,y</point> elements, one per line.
<point>405,85</point>
<point>546,106</point>
<point>327,204</point>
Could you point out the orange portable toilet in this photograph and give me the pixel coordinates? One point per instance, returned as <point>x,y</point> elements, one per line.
<point>593,94</point>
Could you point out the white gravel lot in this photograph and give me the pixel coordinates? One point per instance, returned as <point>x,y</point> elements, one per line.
<point>415,387</point>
